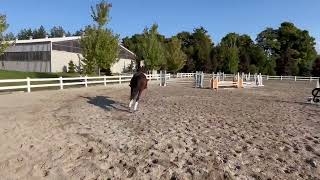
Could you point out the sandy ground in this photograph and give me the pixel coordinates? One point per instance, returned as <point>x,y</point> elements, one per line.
<point>178,133</point>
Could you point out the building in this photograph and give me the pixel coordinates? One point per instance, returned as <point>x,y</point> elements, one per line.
<point>53,55</point>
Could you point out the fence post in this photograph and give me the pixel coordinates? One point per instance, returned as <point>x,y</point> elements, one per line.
<point>120,79</point>
<point>104,80</point>
<point>28,85</point>
<point>295,78</point>
<point>86,81</point>
<point>310,78</point>
<point>61,82</point>
<point>267,77</point>
<point>281,77</point>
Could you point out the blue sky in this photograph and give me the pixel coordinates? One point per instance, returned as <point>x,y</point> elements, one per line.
<point>219,17</point>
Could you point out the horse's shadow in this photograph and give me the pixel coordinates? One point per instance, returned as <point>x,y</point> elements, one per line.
<point>106,103</point>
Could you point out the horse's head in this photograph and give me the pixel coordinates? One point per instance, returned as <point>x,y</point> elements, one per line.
<point>142,69</point>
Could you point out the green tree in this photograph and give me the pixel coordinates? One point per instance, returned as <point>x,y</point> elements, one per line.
<point>245,45</point>
<point>176,58</point>
<point>316,67</point>
<point>57,31</point>
<point>202,47</point>
<point>153,51</point>
<point>268,41</point>
<point>188,49</point>
<point>214,61</point>
<point>100,14</point>
<point>253,69</point>
<point>291,48</point>
<point>25,34</point>
<point>9,36</point>
<point>39,33</point>
<point>135,44</point>
<point>230,52</point>
<point>71,67</point>
<point>78,33</point>
<point>198,47</point>
<point>259,58</point>
<point>100,46</point>
<point>3,28</point>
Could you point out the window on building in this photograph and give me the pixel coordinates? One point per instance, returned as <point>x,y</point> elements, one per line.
<point>68,46</point>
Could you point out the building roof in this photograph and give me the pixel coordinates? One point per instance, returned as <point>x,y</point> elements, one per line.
<point>58,39</point>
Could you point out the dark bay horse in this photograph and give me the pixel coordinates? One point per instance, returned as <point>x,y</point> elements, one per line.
<point>138,84</point>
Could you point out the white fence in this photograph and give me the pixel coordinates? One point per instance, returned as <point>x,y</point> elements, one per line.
<point>293,78</point>
<point>61,82</point>
<point>28,83</point>
<point>265,77</point>
<point>185,75</point>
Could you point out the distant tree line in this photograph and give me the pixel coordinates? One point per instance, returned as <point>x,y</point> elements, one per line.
<point>286,50</point>
<point>41,32</point>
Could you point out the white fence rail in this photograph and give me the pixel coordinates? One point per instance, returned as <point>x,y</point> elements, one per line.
<point>293,78</point>
<point>28,83</point>
<point>265,77</point>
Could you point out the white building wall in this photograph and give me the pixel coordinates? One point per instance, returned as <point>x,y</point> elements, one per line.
<point>119,66</point>
<point>60,60</point>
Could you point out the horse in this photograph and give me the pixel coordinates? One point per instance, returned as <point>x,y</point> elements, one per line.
<point>138,84</point>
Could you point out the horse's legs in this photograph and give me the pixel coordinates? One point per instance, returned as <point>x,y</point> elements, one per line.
<point>131,98</point>
<point>137,100</point>
<point>131,102</point>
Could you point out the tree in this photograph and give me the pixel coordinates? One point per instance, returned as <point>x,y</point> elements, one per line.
<point>153,51</point>
<point>57,31</point>
<point>3,28</point>
<point>198,47</point>
<point>100,46</point>
<point>78,33</point>
<point>316,67</point>
<point>268,41</point>
<point>135,44</point>
<point>39,33</point>
<point>101,13</point>
<point>202,47</point>
<point>289,47</point>
<point>187,48</point>
<point>230,52</point>
<point>71,67</point>
<point>25,34</point>
<point>129,69</point>
<point>245,45</point>
<point>176,58</point>
<point>9,36</point>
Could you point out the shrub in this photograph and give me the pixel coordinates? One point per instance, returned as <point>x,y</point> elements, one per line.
<point>71,67</point>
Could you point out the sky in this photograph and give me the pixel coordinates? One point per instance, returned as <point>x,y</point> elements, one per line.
<point>129,17</point>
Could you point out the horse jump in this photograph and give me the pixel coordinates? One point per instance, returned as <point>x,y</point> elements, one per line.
<point>242,81</point>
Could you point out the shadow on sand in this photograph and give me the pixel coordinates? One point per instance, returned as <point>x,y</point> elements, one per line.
<point>106,103</point>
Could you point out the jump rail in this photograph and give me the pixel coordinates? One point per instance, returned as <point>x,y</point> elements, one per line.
<point>61,82</point>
